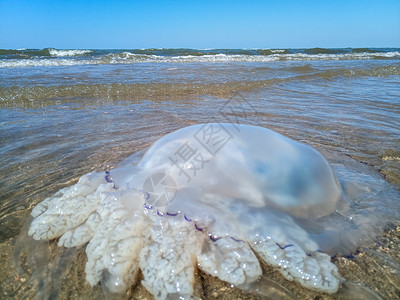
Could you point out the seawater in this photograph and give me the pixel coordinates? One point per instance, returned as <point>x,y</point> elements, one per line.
<point>64,113</point>
<point>56,57</point>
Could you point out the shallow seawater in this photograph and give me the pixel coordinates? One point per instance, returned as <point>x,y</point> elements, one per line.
<point>61,122</point>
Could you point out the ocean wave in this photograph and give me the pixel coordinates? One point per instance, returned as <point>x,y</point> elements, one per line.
<point>64,53</point>
<point>53,57</point>
<point>39,53</point>
<point>15,63</point>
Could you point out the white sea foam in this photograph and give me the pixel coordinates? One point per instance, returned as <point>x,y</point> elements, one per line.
<point>14,63</point>
<point>62,53</point>
<point>277,50</point>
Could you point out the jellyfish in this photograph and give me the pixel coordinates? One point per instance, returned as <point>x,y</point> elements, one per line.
<point>215,196</point>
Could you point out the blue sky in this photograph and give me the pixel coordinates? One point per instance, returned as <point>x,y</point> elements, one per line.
<point>198,24</point>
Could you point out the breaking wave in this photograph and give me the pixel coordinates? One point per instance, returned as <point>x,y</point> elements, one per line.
<point>63,53</point>
<point>57,57</point>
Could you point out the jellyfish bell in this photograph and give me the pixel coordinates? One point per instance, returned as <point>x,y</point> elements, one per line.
<point>251,164</point>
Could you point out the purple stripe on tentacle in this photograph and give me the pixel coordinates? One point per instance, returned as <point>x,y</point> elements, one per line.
<point>147,206</point>
<point>214,239</point>
<point>172,214</point>
<point>236,239</point>
<point>197,227</point>
<point>108,177</point>
<point>284,247</point>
